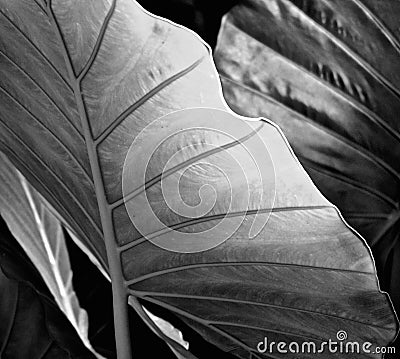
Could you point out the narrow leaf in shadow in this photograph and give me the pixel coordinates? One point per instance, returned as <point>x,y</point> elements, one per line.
<point>32,325</point>
<point>40,235</point>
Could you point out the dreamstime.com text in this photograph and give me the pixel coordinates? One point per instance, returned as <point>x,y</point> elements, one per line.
<point>340,345</point>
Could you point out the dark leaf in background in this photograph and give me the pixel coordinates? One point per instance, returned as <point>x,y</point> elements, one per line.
<point>40,234</point>
<point>32,325</point>
<point>202,16</point>
<point>328,73</point>
<point>38,231</point>
<point>197,345</point>
<point>92,76</point>
<point>94,294</point>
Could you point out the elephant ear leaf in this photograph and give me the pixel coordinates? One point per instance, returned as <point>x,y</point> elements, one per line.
<point>328,73</point>
<point>95,92</point>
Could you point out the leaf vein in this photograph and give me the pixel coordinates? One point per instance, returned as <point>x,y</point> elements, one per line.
<point>73,197</point>
<point>52,134</point>
<point>50,194</point>
<point>356,57</point>
<point>353,183</point>
<point>379,24</point>
<point>359,149</point>
<point>195,221</point>
<point>357,105</point>
<point>143,294</point>
<point>182,165</point>
<point>99,41</point>
<point>208,324</point>
<point>112,126</point>
<point>44,92</point>
<point>239,264</point>
<point>41,7</point>
<point>41,54</point>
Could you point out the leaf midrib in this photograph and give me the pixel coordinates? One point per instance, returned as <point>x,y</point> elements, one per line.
<point>120,304</point>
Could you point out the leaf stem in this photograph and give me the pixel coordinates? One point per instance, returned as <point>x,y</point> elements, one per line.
<point>120,296</point>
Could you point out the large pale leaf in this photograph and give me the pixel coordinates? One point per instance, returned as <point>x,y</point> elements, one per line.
<point>80,81</point>
<point>40,235</point>
<point>328,73</point>
<point>32,325</point>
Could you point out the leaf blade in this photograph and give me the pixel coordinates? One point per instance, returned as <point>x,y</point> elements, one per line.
<point>336,98</point>
<point>115,81</point>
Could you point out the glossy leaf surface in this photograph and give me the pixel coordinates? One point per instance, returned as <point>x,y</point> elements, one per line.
<point>328,73</point>
<point>95,76</point>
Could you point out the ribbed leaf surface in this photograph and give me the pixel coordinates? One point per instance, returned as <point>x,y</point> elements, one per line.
<point>327,72</point>
<point>80,81</point>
